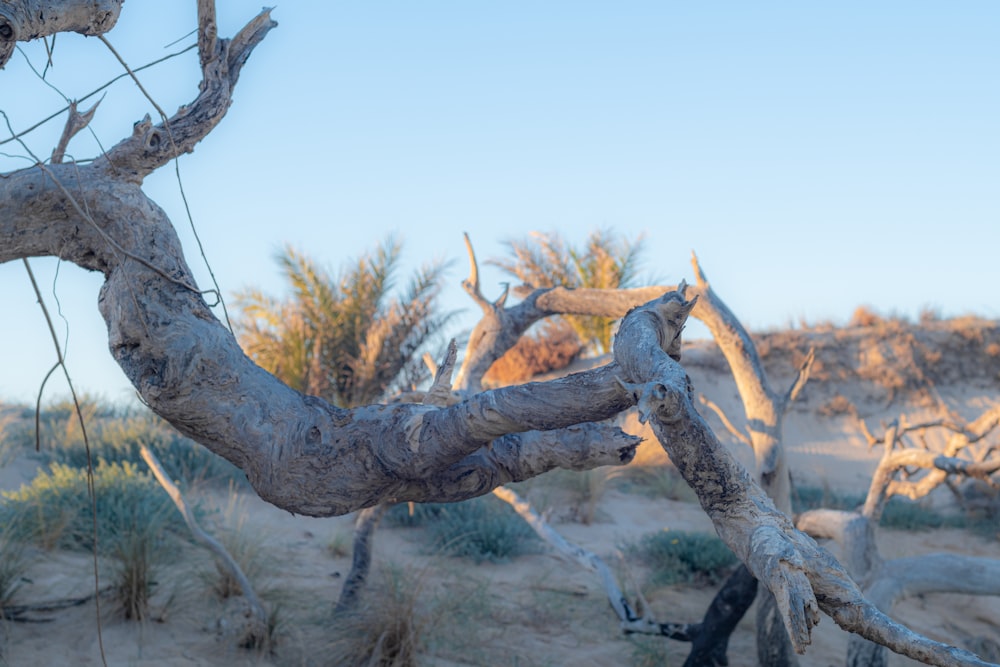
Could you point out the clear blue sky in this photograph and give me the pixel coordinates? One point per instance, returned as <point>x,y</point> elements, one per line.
<point>817,156</point>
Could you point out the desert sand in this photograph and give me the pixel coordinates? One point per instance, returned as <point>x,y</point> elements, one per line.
<point>536,609</point>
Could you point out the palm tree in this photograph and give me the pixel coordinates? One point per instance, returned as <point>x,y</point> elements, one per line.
<point>606,260</point>
<point>344,340</point>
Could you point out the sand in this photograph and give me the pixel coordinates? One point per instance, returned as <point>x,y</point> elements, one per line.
<point>536,609</point>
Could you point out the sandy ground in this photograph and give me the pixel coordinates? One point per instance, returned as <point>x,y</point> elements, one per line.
<point>534,610</point>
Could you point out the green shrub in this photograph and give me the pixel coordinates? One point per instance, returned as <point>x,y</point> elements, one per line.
<point>137,559</point>
<point>678,556</point>
<point>806,498</point>
<point>119,440</point>
<point>412,515</point>
<point>482,528</point>
<point>904,514</point>
<point>135,521</point>
<point>55,510</point>
<point>115,434</point>
<point>899,513</point>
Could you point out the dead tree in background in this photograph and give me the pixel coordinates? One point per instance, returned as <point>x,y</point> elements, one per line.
<point>309,457</point>
<point>912,472</point>
<point>765,411</point>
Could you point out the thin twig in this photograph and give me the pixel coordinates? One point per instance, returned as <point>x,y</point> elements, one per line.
<point>86,445</point>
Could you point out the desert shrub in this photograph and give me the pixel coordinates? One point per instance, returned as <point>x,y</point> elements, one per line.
<point>837,406</point>
<point>136,561</point>
<point>904,514</point>
<point>648,651</point>
<point>678,556</point>
<point>115,434</point>
<point>119,440</point>
<point>815,497</point>
<point>135,521</point>
<point>412,515</point>
<point>482,528</point>
<point>246,546</point>
<point>553,348</point>
<point>13,565</point>
<point>864,316</point>
<point>386,631</point>
<point>55,510</point>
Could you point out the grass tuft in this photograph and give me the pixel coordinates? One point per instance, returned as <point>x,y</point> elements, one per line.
<point>386,630</point>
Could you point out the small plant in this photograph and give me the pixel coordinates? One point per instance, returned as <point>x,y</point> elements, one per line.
<point>246,548</point>
<point>815,497</point>
<point>678,556</point>
<point>481,528</point>
<point>553,348</point>
<point>904,514</point>
<point>386,630</point>
<point>648,651</point>
<point>13,565</point>
<point>56,509</point>
<point>136,562</point>
<point>339,545</point>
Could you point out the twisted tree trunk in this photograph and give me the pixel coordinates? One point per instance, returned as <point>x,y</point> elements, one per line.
<point>309,457</point>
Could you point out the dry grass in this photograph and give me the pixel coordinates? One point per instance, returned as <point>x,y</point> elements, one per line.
<point>553,348</point>
<point>889,358</point>
<point>386,629</point>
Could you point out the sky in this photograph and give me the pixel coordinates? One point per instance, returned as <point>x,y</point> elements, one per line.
<point>816,156</point>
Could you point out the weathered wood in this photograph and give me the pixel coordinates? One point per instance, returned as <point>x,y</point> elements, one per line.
<point>25,20</point>
<point>365,524</point>
<point>802,576</point>
<point>310,457</point>
<point>255,632</point>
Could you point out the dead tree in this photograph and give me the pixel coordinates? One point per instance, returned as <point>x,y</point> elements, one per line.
<point>911,472</point>
<point>765,411</point>
<point>308,457</point>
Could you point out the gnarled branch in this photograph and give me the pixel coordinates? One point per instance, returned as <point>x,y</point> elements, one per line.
<point>25,20</point>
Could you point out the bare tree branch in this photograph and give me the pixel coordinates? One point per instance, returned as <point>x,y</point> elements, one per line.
<point>802,576</point>
<point>720,413</point>
<point>256,630</point>
<point>75,122</point>
<point>152,146</point>
<point>25,20</point>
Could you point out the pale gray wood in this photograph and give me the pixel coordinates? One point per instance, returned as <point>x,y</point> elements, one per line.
<point>25,20</point>
<point>309,457</point>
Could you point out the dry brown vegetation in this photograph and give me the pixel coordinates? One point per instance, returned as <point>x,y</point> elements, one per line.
<point>553,348</point>
<point>890,358</point>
